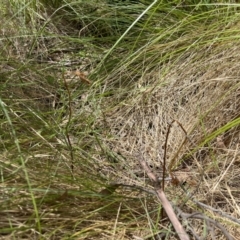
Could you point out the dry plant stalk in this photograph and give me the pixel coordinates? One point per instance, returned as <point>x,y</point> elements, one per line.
<point>68,122</point>
<point>173,161</point>
<point>165,203</point>
<point>167,207</point>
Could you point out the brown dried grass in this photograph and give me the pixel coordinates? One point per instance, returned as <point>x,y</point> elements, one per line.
<point>201,90</point>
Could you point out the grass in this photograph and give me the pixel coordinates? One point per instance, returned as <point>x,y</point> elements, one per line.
<point>64,142</point>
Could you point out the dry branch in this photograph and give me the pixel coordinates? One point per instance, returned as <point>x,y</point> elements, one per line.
<point>207,219</point>
<point>165,203</point>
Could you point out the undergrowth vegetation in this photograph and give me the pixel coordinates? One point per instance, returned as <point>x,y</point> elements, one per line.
<point>89,86</point>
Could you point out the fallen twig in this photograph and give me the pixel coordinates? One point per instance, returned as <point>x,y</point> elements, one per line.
<point>207,219</point>
<point>218,211</point>
<point>165,203</point>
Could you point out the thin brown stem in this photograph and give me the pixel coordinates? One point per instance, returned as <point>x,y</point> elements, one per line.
<point>68,123</point>
<point>164,201</point>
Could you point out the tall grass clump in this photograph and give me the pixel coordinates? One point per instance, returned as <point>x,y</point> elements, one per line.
<point>87,86</point>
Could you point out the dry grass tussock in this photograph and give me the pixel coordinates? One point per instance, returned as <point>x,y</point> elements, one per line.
<point>107,129</point>
<point>201,90</point>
